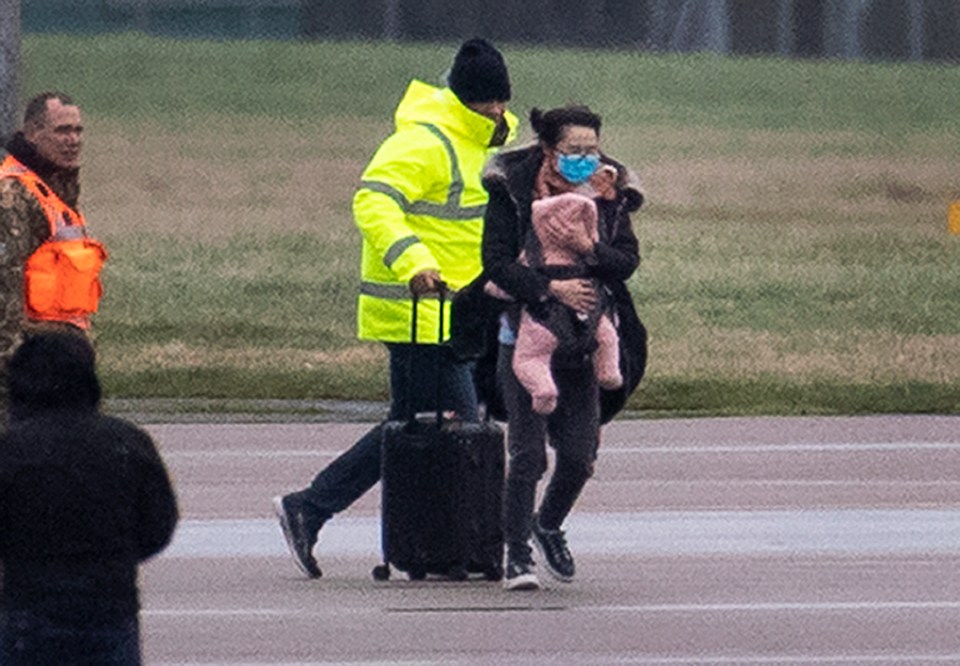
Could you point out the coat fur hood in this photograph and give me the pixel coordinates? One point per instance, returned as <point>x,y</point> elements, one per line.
<point>518,170</point>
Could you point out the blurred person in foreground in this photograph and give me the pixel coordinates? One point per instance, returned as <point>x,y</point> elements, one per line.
<point>419,210</point>
<point>49,266</point>
<point>566,158</point>
<point>84,499</point>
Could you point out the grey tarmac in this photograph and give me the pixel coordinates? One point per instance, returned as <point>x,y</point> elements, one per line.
<point>799,540</point>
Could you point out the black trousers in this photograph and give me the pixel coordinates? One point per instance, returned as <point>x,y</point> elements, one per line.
<point>572,430</point>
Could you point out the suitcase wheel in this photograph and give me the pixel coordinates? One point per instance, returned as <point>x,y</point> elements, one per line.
<point>381,572</point>
<point>457,573</point>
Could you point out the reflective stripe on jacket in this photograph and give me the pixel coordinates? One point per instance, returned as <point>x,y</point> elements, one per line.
<point>420,207</point>
<point>62,277</point>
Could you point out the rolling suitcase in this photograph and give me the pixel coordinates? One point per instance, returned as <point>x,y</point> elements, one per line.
<point>441,495</point>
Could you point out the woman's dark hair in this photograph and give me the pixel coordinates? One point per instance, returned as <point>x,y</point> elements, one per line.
<point>549,125</point>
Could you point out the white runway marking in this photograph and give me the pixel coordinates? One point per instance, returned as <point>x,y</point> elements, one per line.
<point>640,609</point>
<point>841,531</point>
<point>629,447</point>
<point>615,448</point>
<point>744,660</point>
<point>243,453</point>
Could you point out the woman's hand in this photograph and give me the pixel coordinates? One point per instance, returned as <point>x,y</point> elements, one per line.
<point>577,294</point>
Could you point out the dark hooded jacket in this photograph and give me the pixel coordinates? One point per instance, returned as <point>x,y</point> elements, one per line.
<point>84,497</point>
<point>510,178</point>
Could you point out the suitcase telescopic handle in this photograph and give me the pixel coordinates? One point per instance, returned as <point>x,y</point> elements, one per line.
<point>411,412</point>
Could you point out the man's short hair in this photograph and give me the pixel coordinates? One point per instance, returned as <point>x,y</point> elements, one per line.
<point>36,111</point>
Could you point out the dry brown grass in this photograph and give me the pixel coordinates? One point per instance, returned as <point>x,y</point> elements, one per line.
<point>187,356</point>
<point>724,207</point>
<point>211,182</point>
<point>855,357</point>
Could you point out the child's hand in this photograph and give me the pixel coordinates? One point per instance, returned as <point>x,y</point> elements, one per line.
<point>604,182</point>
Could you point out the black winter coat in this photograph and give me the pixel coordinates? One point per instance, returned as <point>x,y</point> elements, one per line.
<point>510,179</point>
<point>84,498</point>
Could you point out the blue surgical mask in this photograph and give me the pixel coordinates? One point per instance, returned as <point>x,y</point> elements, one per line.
<point>577,169</point>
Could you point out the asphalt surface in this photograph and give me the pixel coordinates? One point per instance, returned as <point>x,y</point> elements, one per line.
<point>700,541</point>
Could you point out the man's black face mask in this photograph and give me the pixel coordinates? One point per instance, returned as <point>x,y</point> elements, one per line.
<point>500,134</point>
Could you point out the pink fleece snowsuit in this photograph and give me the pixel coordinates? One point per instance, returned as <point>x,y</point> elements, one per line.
<point>556,221</point>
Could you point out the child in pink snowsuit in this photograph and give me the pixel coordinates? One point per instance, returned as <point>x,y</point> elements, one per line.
<point>562,223</point>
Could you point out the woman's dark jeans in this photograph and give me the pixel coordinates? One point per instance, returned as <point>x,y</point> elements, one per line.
<point>572,430</point>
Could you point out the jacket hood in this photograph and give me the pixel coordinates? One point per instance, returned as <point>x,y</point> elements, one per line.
<point>424,103</point>
<point>52,371</point>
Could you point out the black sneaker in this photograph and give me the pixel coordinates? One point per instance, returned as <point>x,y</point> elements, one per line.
<point>300,530</point>
<point>520,574</point>
<point>552,546</point>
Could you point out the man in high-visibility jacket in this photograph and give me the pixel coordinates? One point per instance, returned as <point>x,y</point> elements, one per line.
<point>49,266</point>
<point>420,211</point>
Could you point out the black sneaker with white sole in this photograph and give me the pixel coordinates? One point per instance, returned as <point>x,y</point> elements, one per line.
<point>300,530</point>
<point>552,546</point>
<point>520,574</point>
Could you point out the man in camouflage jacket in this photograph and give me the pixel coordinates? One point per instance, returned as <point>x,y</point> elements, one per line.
<point>49,145</point>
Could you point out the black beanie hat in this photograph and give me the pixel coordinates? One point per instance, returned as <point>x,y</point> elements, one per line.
<point>479,73</point>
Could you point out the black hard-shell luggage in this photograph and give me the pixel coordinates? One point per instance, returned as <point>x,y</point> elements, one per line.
<point>441,496</point>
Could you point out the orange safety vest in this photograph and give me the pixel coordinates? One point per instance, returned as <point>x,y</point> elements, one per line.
<point>62,277</point>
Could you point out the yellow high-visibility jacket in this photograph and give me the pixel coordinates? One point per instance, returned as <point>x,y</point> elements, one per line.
<point>419,207</point>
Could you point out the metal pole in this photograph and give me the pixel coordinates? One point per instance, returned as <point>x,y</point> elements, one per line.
<point>659,30</point>
<point>855,14</point>
<point>917,30</point>
<point>391,21</point>
<point>9,66</point>
<point>786,31</point>
<point>841,22</point>
<point>718,26</point>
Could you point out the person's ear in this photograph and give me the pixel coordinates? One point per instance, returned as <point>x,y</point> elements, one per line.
<point>30,131</point>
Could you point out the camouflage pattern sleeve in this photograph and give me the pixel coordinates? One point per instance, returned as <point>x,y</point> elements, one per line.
<point>23,228</point>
